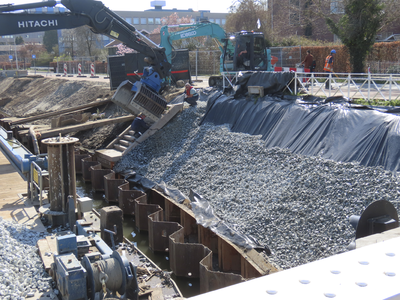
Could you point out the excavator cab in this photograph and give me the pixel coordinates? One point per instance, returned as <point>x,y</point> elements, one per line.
<point>243,51</point>
<point>246,51</point>
<point>250,52</point>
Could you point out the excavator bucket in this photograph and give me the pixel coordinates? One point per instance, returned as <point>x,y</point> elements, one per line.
<point>143,101</point>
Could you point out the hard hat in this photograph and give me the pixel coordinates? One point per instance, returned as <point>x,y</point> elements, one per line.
<point>333,51</point>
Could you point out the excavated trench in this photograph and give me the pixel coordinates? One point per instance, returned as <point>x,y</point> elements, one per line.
<point>270,184</point>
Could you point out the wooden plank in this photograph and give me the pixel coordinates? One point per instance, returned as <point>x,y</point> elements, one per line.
<point>59,112</point>
<point>44,249</point>
<point>52,242</point>
<point>86,126</point>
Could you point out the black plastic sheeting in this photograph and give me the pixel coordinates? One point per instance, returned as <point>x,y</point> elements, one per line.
<point>201,208</point>
<point>331,128</point>
<point>272,82</point>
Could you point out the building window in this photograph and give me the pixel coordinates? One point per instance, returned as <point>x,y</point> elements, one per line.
<point>136,21</point>
<point>143,21</point>
<point>150,21</point>
<point>158,21</point>
<point>212,20</point>
<point>223,21</point>
<point>128,20</point>
<point>337,7</point>
<point>218,21</point>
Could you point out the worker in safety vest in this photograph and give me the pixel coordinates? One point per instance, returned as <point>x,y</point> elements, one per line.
<point>191,95</point>
<point>328,66</point>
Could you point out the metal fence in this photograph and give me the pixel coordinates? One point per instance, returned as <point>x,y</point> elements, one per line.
<point>384,67</point>
<point>204,62</point>
<point>287,56</point>
<point>366,86</point>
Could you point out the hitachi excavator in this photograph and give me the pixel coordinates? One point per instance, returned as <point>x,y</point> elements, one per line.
<point>144,94</point>
<point>240,51</point>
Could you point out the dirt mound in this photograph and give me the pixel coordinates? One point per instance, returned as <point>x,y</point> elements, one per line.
<point>32,96</point>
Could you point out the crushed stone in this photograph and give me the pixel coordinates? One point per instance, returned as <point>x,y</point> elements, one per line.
<point>296,205</point>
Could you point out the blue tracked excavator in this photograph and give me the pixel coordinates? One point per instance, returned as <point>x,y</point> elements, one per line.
<point>240,51</point>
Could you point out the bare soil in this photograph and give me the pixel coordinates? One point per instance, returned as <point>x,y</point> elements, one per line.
<point>35,95</point>
<point>31,96</point>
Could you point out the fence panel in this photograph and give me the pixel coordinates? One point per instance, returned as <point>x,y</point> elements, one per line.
<point>204,62</point>
<point>366,86</point>
<point>384,67</point>
<point>287,56</point>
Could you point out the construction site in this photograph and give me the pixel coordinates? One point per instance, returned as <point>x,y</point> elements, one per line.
<point>227,195</point>
<point>149,184</point>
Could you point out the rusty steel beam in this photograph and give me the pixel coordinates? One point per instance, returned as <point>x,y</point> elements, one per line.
<point>127,196</point>
<point>159,231</point>
<point>97,177</point>
<point>111,184</point>
<point>87,162</point>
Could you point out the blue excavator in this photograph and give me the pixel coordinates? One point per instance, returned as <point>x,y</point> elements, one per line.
<point>18,19</point>
<point>240,51</point>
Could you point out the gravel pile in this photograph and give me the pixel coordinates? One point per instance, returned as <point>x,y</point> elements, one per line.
<point>21,268</point>
<point>298,206</point>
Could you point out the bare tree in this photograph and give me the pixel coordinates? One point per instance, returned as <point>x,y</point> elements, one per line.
<point>189,43</point>
<point>299,18</point>
<point>68,40</point>
<point>248,15</point>
<point>87,42</point>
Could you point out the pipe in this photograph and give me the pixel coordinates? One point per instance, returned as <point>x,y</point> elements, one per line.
<point>34,140</point>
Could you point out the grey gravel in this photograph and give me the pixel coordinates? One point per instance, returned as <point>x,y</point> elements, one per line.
<point>21,268</point>
<point>296,205</point>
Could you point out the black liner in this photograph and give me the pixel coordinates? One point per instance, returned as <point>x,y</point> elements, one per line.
<point>331,128</point>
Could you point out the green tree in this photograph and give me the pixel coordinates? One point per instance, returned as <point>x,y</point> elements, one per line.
<point>50,39</point>
<point>357,29</point>
<point>19,40</point>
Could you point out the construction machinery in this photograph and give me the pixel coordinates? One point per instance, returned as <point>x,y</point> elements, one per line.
<point>240,51</point>
<point>17,19</point>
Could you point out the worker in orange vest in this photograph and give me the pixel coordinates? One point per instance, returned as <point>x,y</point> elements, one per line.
<point>328,67</point>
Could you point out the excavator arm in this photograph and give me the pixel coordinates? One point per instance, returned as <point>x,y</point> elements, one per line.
<point>195,30</point>
<point>189,31</point>
<point>91,13</point>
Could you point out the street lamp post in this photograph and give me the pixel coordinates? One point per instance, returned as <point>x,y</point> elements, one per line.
<point>16,56</point>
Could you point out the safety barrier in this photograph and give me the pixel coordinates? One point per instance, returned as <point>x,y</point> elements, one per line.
<point>39,181</point>
<point>366,86</point>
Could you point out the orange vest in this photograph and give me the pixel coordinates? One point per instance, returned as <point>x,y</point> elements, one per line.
<point>328,67</point>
